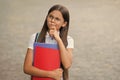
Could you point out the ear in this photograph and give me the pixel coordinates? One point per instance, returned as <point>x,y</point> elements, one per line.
<point>64,24</point>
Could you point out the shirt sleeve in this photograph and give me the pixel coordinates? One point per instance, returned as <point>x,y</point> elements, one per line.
<point>31,41</point>
<point>70,42</point>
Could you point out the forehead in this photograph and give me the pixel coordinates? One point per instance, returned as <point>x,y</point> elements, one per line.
<point>56,13</point>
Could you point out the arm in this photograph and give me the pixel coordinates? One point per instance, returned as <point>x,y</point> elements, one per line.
<point>31,70</point>
<point>66,53</point>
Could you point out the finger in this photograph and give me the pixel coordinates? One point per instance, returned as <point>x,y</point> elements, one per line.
<point>53,28</point>
<point>51,32</point>
<point>61,69</point>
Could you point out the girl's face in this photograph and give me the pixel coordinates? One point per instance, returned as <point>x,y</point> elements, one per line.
<point>55,20</point>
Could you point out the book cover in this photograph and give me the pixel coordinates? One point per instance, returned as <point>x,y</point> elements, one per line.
<point>46,57</point>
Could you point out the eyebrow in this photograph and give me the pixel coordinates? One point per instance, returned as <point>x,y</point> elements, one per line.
<point>54,17</point>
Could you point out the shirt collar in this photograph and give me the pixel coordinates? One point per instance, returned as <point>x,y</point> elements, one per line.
<point>47,35</point>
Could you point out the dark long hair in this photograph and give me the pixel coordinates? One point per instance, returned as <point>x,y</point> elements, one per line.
<point>63,30</point>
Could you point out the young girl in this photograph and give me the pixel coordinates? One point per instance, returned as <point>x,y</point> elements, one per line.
<point>55,31</point>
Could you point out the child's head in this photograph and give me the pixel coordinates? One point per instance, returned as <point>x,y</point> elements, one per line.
<point>65,15</point>
<point>61,15</point>
<point>58,16</point>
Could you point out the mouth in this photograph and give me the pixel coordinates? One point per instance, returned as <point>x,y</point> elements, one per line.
<point>51,25</point>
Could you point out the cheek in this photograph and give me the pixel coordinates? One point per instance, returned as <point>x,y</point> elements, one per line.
<point>58,27</point>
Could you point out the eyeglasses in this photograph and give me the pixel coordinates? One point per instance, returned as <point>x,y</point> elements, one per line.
<point>56,19</point>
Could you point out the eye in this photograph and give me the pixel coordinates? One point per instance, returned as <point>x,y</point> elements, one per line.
<point>50,16</point>
<point>57,19</point>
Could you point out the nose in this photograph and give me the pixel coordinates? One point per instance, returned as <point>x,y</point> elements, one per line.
<point>53,20</point>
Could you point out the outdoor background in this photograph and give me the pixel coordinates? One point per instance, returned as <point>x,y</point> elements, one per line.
<point>94,25</point>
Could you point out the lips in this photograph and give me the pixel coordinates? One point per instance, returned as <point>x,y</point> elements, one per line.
<point>51,25</point>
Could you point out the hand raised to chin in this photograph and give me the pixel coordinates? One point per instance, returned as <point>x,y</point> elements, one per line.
<point>54,33</point>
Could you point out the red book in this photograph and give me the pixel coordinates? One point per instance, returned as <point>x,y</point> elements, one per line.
<point>46,57</point>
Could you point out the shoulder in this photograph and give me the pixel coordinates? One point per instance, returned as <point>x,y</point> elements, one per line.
<point>70,42</point>
<point>34,35</point>
<point>69,38</point>
<point>31,41</point>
